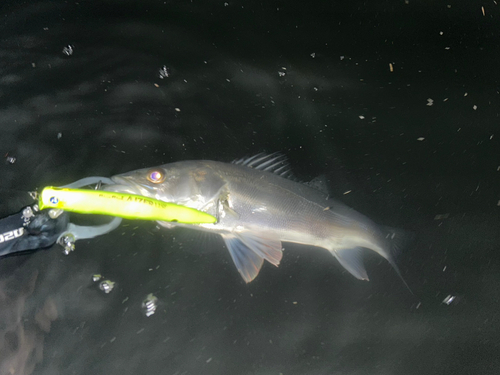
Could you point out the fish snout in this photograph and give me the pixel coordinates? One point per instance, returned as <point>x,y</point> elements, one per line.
<point>121,184</point>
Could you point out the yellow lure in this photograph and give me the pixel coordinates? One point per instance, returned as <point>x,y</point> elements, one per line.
<point>128,206</point>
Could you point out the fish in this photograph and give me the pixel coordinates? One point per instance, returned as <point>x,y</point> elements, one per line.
<point>259,204</point>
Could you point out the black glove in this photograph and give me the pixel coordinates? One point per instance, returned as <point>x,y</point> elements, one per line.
<point>31,230</point>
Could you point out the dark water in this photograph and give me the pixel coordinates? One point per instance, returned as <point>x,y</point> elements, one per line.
<point>409,144</point>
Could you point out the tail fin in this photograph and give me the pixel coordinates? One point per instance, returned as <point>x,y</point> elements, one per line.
<point>397,240</point>
<point>351,257</point>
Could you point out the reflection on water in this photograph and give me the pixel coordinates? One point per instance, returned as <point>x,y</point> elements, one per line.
<point>99,88</point>
<point>22,326</point>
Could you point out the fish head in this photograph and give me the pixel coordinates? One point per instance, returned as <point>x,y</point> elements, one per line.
<point>153,182</point>
<point>187,183</point>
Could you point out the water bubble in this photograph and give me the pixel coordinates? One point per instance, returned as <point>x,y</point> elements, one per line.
<point>28,213</point>
<point>68,50</point>
<point>164,72</point>
<point>106,286</point>
<point>67,241</point>
<point>54,213</point>
<point>149,304</point>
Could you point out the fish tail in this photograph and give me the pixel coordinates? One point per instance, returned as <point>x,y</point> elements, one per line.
<point>389,247</point>
<point>397,240</point>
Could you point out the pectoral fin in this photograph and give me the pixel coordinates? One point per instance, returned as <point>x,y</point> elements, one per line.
<point>264,246</point>
<point>351,260</point>
<point>249,251</point>
<point>246,261</point>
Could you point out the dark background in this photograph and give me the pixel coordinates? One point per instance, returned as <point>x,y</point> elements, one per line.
<point>339,110</point>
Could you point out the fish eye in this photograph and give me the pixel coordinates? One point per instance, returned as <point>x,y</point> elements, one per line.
<point>156,176</point>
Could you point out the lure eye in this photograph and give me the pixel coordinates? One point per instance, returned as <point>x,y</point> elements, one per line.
<point>156,177</point>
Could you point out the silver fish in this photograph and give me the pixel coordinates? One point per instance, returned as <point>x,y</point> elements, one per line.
<point>258,206</point>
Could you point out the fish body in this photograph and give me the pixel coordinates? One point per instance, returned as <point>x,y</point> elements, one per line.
<point>258,206</point>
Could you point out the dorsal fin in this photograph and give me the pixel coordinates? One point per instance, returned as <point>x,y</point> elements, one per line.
<point>276,163</point>
<point>318,183</point>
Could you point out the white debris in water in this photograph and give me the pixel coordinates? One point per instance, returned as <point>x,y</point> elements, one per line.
<point>106,286</point>
<point>441,216</point>
<point>474,107</point>
<point>150,304</point>
<point>362,117</point>
<point>10,159</point>
<point>430,102</point>
<point>59,135</point>
<point>96,277</point>
<point>313,55</point>
<point>420,139</point>
<point>449,299</point>
<point>281,74</point>
<point>68,50</point>
<point>164,72</point>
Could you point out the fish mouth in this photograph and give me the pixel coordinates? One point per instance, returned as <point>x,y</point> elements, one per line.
<point>129,185</point>
<point>122,184</point>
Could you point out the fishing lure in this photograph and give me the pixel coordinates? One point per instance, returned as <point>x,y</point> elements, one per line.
<point>127,206</point>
